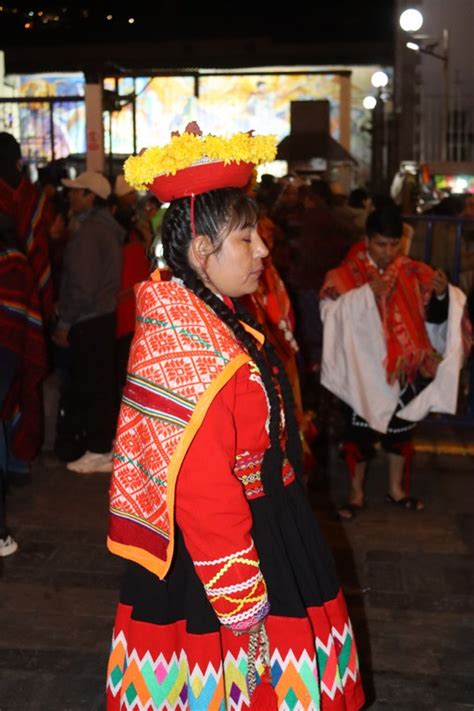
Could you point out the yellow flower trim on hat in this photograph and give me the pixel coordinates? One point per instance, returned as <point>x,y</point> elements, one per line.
<point>188,149</point>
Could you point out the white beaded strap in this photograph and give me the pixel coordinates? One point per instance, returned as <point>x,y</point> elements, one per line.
<point>258,646</point>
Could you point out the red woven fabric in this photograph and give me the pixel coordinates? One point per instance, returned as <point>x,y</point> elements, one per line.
<point>33,216</point>
<point>401,309</point>
<point>21,331</point>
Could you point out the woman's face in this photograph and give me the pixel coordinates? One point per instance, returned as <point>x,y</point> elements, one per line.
<point>234,270</point>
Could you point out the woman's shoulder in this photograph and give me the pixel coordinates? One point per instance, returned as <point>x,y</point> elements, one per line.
<point>159,295</point>
<point>244,386</point>
<point>170,308</point>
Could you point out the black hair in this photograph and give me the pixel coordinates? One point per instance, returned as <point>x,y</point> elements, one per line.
<point>60,203</point>
<point>322,190</point>
<point>382,200</point>
<point>357,197</point>
<point>10,150</point>
<point>10,154</point>
<point>385,221</point>
<point>98,201</point>
<point>216,214</point>
<point>153,199</point>
<point>450,206</point>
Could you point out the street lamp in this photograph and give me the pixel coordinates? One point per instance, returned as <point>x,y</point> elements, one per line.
<point>369,103</point>
<point>411,21</point>
<point>379,81</point>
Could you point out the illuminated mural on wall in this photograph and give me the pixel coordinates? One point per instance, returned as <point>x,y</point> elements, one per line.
<point>226,103</point>
<point>65,117</point>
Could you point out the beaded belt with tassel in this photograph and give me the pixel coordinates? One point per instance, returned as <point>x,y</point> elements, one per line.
<point>262,696</point>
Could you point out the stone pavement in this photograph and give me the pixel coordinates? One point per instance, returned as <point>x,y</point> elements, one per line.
<point>408,578</point>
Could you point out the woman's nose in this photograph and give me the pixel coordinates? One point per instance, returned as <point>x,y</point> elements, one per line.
<point>261,249</point>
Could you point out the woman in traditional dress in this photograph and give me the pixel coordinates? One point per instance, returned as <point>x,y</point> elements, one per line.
<point>230,599</point>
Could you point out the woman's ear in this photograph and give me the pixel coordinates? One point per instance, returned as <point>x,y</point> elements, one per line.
<point>201,248</point>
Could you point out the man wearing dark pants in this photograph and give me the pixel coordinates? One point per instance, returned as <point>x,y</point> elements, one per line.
<point>394,332</point>
<point>87,303</point>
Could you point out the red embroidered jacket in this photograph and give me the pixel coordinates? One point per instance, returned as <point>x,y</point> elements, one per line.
<point>192,406</point>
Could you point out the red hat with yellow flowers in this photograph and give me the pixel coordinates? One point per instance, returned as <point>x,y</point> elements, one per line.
<point>191,163</point>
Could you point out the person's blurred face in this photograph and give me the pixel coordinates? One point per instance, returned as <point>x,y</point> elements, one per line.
<point>151,208</point>
<point>368,204</point>
<point>289,196</point>
<point>383,250</point>
<point>235,268</point>
<point>129,199</point>
<point>80,200</point>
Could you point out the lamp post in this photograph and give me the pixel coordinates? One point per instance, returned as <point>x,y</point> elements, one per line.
<point>411,21</point>
<point>375,104</point>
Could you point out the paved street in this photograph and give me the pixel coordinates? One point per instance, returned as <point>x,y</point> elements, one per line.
<point>408,577</point>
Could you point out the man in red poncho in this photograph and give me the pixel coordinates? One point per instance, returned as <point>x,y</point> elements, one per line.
<point>395,335</point>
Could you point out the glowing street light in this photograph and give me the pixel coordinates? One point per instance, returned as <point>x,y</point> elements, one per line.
<point>411,20</point>
<point>379,80</point>
<point>370,102</point>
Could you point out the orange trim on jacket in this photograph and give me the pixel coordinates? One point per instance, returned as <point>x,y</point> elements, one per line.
<point>183,354</point>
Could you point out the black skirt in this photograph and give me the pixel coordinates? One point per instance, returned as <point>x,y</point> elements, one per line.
<point>170,625</point>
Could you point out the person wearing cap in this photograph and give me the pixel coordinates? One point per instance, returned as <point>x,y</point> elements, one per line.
<point>127,198</point>
<point>125,204</point>
<point>86,326</point>
<point>230,598</point>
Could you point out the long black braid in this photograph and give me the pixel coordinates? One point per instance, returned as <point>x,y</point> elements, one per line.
<point>294,450</point>
<point>230,209</point>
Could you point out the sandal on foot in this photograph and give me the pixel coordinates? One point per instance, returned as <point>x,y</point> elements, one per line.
<point>350,509</point>
<point>407,502</point>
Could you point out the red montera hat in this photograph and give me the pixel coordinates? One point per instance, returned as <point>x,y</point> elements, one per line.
<point>192,163</point>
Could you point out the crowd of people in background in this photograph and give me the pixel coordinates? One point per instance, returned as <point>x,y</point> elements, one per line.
<point>70,256</point>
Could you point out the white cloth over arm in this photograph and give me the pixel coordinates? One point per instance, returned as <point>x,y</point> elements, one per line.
<point>354,352</point>
<point>353,355</point>
<point>441,395</point>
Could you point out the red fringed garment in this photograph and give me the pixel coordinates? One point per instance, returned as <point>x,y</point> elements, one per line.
<point>21,331</point>
<point>32,214</point>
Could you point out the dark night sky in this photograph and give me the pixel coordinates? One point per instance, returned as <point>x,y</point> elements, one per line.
<point>334,21</point>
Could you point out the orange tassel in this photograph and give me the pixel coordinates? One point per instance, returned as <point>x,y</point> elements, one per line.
<point>264,697</point>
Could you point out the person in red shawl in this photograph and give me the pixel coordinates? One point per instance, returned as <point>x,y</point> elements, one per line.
<point>23,365</point>
<point>33,214</point>
<point>395,336</point>
<point>230,599</point>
